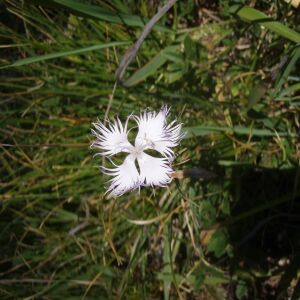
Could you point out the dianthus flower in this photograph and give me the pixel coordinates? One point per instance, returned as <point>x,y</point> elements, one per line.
<point>153,134</point>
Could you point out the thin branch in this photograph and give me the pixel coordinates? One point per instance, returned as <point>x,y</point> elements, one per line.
<point>131,52</point>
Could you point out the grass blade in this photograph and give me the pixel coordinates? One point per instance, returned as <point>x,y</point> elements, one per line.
<point>241,130</point>
<point>150,68</point>
<point>34,59</point>
<point>98,12</point>
<point>254,15</point>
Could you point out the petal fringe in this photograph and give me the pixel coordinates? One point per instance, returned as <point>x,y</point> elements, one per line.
<point>112,139</point>
<point>154,132</point>
<point>154,170</point>
<point>125,177</point>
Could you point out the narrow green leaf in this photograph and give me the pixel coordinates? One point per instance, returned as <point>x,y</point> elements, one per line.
<point>169,278</point>
<point>100,13</point>
<point>204,130</point>
<point>289,91</point>
<point>288,69</point>
<point>151,67</point>
<point>34,59</point>
<point>241,291</point>
<point>254,15</point>
<point>210,280</point>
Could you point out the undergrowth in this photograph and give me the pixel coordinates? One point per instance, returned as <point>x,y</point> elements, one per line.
<point>229,75</point>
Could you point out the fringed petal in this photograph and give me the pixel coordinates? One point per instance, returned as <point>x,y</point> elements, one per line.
<point>154,171</point>
<point>111,139</point>
<point>154,132</point>
<point>126,177</point>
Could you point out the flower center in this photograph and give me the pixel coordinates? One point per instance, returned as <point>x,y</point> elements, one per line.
<point>138,150</point>
<point>140,145</point>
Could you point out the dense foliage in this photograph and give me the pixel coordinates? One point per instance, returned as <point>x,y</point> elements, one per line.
<point>230,72</point>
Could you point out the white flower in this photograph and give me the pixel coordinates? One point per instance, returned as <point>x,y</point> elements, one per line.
<point>153,133</point>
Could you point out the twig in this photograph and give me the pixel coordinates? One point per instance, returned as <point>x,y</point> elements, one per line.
<point>131,52</point>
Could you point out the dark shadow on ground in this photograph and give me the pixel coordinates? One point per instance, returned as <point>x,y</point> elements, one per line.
<point>264,229</point>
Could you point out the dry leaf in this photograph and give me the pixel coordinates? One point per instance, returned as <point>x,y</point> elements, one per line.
<point>294,3</point>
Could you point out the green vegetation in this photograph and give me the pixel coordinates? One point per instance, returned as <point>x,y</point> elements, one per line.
<point>229,72</point>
